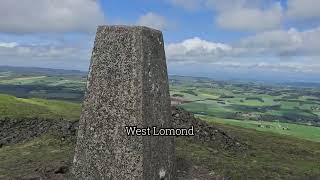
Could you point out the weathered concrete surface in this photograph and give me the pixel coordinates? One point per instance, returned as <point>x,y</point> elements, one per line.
<point>127,86</point>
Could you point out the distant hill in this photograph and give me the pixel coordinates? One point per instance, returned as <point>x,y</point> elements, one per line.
<point>41,71</point>
<point>37,71</point>
<point>303,84</point>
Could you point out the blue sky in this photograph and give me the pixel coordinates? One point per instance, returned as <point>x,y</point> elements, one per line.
<point>231,39</point>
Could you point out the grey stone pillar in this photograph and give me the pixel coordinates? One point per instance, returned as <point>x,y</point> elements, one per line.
<point>127,86</point>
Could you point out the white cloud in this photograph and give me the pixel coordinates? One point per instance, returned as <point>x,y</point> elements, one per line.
<point>250,19</point>
<point>15,50</point>
<point>276,43</point>
<point>284,42</point>
<point>153,20</point>
<point>303,9</point>
<point>31,16</point>
<point>196,49</point>
<point>45,55</point>
<point>244,15</point>
<point>239,15</point>
<point>8,45</point>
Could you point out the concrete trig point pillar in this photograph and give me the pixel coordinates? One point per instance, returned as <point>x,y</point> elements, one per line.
<point>127,86</point>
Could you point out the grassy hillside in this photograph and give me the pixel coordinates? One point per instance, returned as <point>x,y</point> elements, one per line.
<point>13,107</point>
<point>28,157</point>
<point>311,133</point>
<point>270,156</point>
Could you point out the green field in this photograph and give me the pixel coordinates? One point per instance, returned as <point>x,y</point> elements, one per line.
<point>271,156</point>
<point>43,85</point>
<point>278,109</point>
<point>243,103</point>
<point>299,131</point>
<point>279,124</point>
<point>13,107</point>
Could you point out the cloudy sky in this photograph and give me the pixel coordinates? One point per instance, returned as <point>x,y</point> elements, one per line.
<point>232,39</point>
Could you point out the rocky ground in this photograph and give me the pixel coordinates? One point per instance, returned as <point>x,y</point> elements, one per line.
<point>205,132</point>
<point>23,130</point>
<point>18,130</point>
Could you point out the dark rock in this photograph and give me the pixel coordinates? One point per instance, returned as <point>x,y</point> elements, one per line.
<point>206,132</point>
<point>18,130</point>
<point>62,170</point>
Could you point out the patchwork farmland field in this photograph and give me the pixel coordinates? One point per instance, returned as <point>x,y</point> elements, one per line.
<point>276,108</point>
<point>285,119</point>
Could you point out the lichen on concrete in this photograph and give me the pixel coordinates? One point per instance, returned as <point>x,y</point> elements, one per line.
<point>127,86</point>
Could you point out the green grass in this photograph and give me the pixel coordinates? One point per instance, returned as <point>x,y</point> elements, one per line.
<point>270,156</point>
<point>23,80</point>
<point>24,158</point>
<point>68,82</point>
<point>208,108</point>
<point>311,133</point>
<point>222,102</point>
<point>12,107</point>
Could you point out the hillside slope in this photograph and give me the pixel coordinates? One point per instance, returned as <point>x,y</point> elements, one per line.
<point>16,108</point>
<point>43,148</point>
